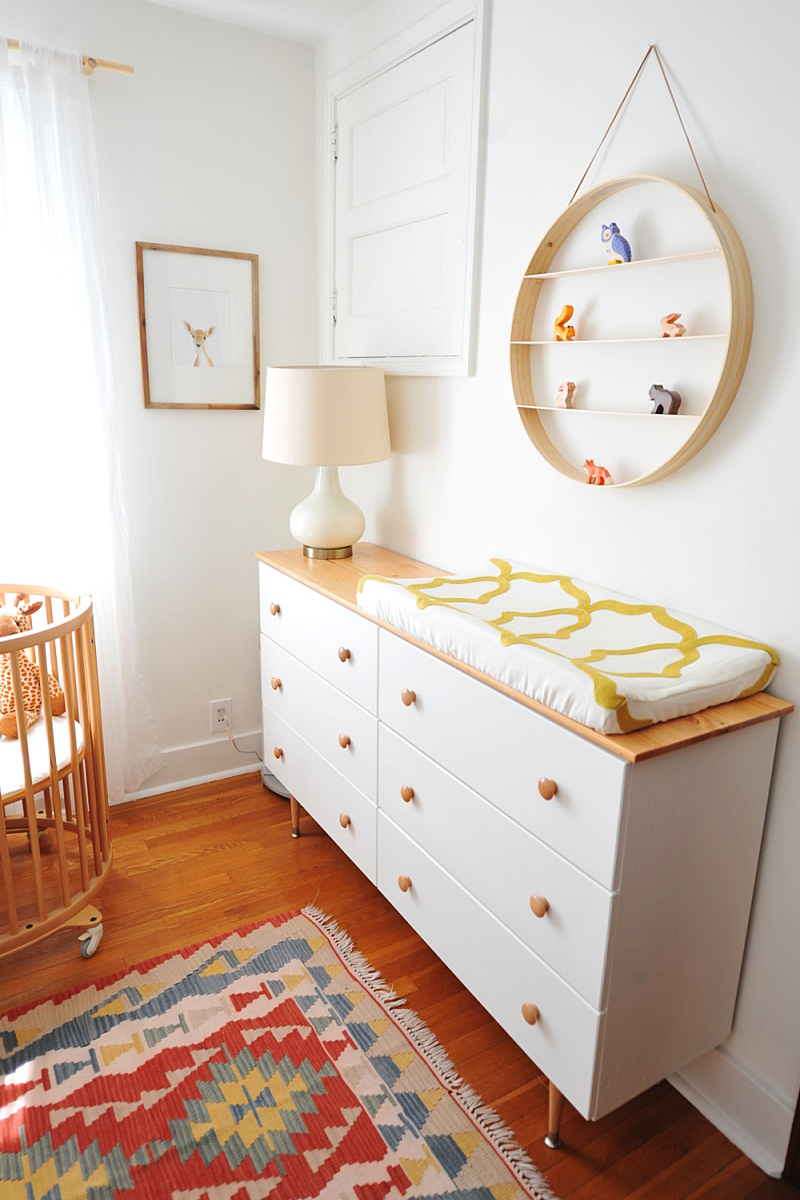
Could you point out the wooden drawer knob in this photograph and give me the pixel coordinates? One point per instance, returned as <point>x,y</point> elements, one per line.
<point>344,740</point>
<point>275,609</point>
<point>344,654</point>
<point>277,752</point>
<point>548,788</point>
<point>539,905</point>
<point>403,882</point>
<point>276,683</point>
<point>407,793</point>
<point>531,1013</point>
<point>344,820</point>
<point>408,697</point>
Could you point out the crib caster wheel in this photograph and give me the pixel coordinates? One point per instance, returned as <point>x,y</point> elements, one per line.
<point>90,940</point>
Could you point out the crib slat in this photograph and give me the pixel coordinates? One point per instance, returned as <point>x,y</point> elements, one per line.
<point>8,883</point>
<point>96,743</point>
<point>29,800</point>
<point>87,778</point>
<point>72,716</point>
<point>52,808</point>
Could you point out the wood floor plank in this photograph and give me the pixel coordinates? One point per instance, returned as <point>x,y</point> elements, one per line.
<point>202,861</point>
<point>662,1160</point>
<point>735,1181</point>
<point>685,1174</point>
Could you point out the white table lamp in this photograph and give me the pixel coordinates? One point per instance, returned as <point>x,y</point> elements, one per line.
<point>326,417</point>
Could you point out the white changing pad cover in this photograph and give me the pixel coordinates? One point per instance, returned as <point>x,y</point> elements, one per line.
<point>605,660</point>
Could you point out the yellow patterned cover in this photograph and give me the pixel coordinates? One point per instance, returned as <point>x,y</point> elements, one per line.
<point>605,660</point>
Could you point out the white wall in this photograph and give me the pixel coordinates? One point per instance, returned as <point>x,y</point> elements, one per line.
<point>210,144</point>
<point>718,538</point>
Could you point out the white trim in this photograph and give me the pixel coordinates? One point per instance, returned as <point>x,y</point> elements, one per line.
<point>202,762</point>
<point>750,1115</point>
<point>444,20</point>
<point>422,33</point>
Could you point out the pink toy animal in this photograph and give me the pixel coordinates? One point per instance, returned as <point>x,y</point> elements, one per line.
<point>565,394</point>
<point>670,326</point>
<point>595,473</point>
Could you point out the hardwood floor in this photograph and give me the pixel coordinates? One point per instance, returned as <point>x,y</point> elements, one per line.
<point>199,862</point>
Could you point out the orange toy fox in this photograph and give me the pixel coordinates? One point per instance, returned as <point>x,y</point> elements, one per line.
<point>595,473</point>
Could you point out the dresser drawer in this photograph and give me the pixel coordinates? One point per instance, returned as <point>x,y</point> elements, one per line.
<point>341,645</point>
<point>502,749</point>
<point>337,727</point>
<point>513,873</point>
<point>345,813</point>
<point>494,965</point>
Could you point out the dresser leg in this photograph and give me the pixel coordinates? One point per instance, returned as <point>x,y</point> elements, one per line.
<point>555,1109</point>
<point>294,809</point>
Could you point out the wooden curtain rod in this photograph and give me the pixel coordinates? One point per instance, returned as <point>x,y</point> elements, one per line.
<point>89,63</point>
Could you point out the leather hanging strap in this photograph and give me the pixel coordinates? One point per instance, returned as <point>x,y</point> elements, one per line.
<point>650,50</point>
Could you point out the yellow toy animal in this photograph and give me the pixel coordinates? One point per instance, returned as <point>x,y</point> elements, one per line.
<point>16,618</point>
<point>562,332</point>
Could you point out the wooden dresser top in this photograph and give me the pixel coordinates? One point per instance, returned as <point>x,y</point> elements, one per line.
<point>338,579</point>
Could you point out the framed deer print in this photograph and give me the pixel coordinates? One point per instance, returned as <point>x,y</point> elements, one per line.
<point>198,327</point>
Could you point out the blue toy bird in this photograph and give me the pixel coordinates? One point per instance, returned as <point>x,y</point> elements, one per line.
<point>616,244</point>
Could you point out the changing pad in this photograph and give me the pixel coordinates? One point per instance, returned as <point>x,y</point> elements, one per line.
<point>605,660</point>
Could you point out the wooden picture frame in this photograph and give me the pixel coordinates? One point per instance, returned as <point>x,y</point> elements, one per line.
<point>198,327</point>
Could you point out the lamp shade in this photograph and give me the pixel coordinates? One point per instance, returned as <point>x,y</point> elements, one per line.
<point>325,416</point>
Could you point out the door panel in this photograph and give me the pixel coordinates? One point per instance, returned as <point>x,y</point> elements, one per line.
<point>402,201</point>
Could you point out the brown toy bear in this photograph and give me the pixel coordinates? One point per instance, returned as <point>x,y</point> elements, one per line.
<point>16,619</point>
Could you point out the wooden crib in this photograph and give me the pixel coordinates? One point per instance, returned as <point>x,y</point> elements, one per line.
<point>55,852</point>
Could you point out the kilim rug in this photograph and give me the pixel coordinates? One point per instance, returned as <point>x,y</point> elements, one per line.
<point>270,1062</point>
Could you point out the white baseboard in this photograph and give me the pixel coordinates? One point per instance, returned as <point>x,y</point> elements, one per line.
<point>203,762</point>
<point>740,1106</point>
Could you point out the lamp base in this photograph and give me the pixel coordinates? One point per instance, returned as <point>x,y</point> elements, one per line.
<point>326,523</point>
<point>320,552</point>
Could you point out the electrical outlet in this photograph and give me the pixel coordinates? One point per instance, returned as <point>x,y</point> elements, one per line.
<point>219,714</point>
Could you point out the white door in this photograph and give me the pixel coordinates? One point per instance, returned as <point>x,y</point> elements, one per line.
<point>403,188</point>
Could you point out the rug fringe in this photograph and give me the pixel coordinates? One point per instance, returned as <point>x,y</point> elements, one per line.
<point>431,1049</point>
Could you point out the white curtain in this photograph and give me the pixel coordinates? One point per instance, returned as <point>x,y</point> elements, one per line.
<point>62,521</point>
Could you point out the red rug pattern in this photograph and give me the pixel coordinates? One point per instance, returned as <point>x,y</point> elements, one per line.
<point>270,1062</point>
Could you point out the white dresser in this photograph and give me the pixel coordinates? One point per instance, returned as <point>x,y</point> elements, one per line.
<point>592,891</point>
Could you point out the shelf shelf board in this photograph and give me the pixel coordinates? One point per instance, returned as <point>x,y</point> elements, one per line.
<point>637,262</point>
<point>608,412</point>
<point>620,341</point>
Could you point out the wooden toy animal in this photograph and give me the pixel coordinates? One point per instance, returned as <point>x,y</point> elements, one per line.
<point>199,336</point>
<point>670,326</point>
<point>616,244</point>
<point>16,619</point>
<point>565,394</point>
<point>664,401</point>
<point>562,332</point>
<point>595,473</point>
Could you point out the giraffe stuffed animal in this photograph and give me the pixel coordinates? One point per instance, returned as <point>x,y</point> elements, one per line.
<point>16,618</point>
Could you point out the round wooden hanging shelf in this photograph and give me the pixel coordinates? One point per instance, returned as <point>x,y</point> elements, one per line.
<point>724,243</point>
